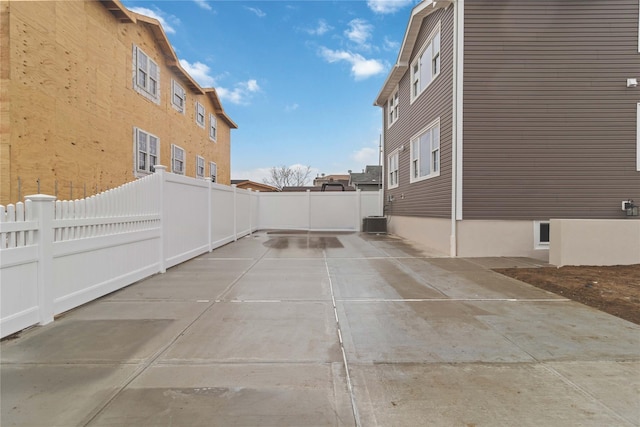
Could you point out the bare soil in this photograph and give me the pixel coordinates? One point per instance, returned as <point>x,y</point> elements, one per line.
<point>614,290</point>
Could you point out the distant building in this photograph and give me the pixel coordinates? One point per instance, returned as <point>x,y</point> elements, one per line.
<point>246,184</point>
<point>369,180</point>
<point>93,96</point>
<point>323,179</point>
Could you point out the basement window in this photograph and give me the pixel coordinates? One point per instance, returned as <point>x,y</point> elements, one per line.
<point>541,234</point>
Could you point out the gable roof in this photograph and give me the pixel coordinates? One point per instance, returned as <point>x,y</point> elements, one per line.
<point>421,11</point>
<point>171,59</point>
<point>371,175</point>
<point>255,186</point>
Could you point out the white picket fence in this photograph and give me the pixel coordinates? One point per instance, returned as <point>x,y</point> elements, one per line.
<point>57,255</point>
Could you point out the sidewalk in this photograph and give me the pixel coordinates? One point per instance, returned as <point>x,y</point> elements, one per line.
<point>326,330</point>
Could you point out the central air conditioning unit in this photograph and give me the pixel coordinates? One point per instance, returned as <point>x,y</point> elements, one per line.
<point>374,224</point>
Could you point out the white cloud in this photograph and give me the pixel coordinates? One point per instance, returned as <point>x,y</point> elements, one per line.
<point>291,107</point>
<point>387,6</point>
<point>361,68</point>
<point>366,156</point>
<point>203,4</point>
<point>259,13</point>
<point>241,94</point>
<point>359,31</point>
<point>200,72</point>
<point>159,15</point>
<point>390,45</point>
<point>321,29</point>
<point>255,175</point>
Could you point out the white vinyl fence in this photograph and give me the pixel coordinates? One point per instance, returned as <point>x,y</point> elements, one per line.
<point>57,255</point>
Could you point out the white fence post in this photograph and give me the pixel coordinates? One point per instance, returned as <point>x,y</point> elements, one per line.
<point>250,211</point>
<point>358,226</point>
<point>42,212</point>
<point>309,210</point>
<point>209,212</point>
<point>235,212</point>
<point>161,171</point>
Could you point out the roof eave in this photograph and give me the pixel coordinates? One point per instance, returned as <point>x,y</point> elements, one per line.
<point>118,10</point>
<point>215,100</point>
<point>421,11</point>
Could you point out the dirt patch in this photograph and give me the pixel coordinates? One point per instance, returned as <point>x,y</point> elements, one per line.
<point>614,290</point>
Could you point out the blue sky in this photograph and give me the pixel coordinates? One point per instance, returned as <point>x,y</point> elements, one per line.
<point>298,77</point>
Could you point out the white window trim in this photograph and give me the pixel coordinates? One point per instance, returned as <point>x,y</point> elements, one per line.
<point>537,244</point>
<point>204,114</point>
<point>147,170</point>
<point>200,161</point>
<point>423,48</point>
<point>155,97</point>
<point>214,178</point>
<point>177,89</point>
<point>638,138</point>
<point>213,128</point>
<point>174,148</point>
<point>393,105</point>
<point>396,154</point>
<point>433,124</point>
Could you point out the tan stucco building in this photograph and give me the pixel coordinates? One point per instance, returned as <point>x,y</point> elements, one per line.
<point>92,96</point>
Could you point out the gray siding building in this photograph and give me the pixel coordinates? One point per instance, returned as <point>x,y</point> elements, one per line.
<point>499,116</point>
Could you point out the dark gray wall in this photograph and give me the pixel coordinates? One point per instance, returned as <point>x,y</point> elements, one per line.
<point>549,124</point>
<point>431,197</point>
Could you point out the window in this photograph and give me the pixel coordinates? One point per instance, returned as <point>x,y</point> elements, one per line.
<point>541,234</point>
<point>392,163</point>
<point>147,75</point>
<point>213,171</point>
<point>638,138</point>
<point>426,66</point>
<point>199,167</point>
<point>393,108</point>
<point>177,159</point>
<point>213,127</point>
<point>425,153</point>
<point>200,114</point>
<point>178,96</point>
<point>147,151</point>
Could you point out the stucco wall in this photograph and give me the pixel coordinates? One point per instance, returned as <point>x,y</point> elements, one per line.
<point>594,242</point>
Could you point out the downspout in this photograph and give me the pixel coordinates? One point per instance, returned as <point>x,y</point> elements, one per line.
<point>383,163</point>
<point>456,125</point>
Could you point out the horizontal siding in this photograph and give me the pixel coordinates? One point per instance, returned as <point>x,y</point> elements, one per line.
<point>431,197</point>
<point>549,124</point>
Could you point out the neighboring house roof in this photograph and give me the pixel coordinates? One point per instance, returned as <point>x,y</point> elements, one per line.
<point>371,175</point>
<point>316,188</point>
<point>421,11</point>
<point>319,180</point>
<point>126,16</point>
<point>255,186</point>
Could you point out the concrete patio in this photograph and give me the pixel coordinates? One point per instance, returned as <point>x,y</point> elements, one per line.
<point>326,329</point>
